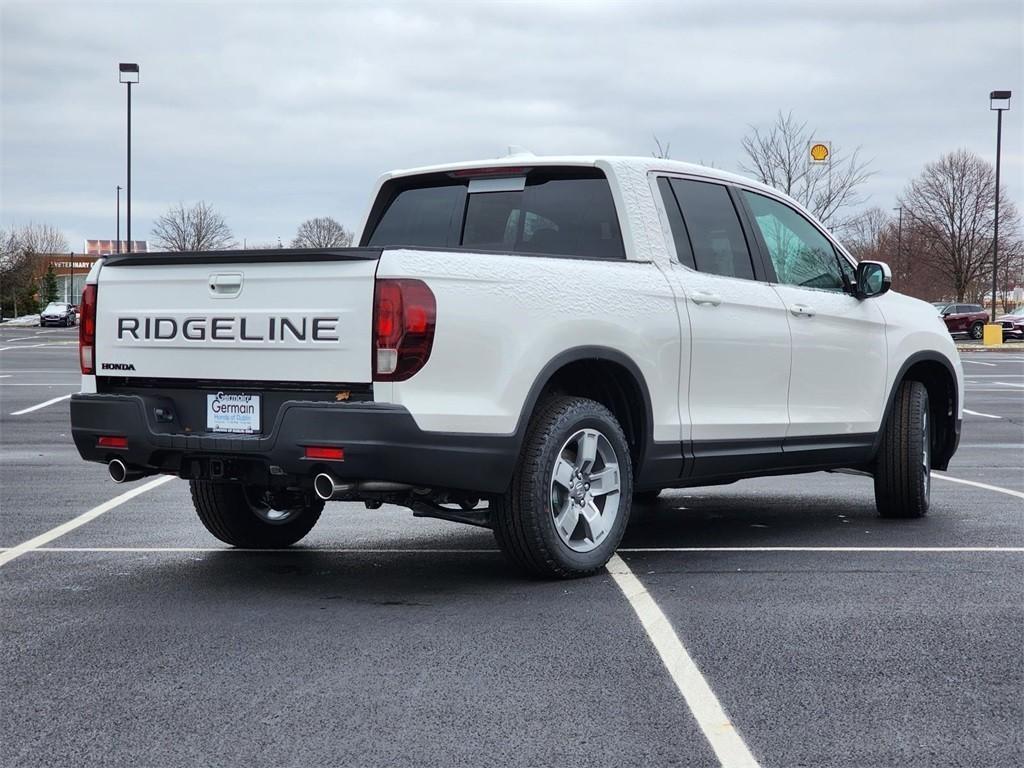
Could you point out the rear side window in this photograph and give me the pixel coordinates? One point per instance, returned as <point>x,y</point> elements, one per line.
<point>419,216</point>
<point>713,227</point>
<point>559,212</point>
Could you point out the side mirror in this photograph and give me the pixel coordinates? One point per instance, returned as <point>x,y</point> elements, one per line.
<point>873,278</point>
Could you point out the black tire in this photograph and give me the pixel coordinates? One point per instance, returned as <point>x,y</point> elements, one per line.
<point>903,466</point>
<point>523,519</point>
<point>977,330</point>
<point>230,511</point>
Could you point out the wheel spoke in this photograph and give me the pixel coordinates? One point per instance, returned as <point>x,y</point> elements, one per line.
<point>587,450</point>
<point>593,521</point>
<point>563,472</point>
<point>605,481</point>
<point>567,520</point>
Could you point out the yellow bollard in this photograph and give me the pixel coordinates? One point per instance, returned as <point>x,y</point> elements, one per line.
<point>993,334</point>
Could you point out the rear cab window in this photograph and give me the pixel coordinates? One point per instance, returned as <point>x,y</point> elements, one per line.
<point>706,228</point>
<point>554,211</point>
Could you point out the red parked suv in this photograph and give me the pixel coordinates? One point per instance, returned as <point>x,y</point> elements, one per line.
<point>964,318</point>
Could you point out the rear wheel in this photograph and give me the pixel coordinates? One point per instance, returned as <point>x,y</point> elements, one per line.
<point>251,517</point>
<point>568,504</point>
<point>977,330</point>
<point>903,469</point>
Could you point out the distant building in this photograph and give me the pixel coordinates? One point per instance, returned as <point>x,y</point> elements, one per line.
<point>107,247</point>
<point>71,270</point>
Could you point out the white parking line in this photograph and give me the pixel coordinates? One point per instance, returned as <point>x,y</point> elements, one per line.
<point>976,362</point>
<point>986,486</point>
<point>728,745</point>
<point>82,519</point>
<point>979,413</point>
<point>41,405</point>
<point>1009,383</point>
<point>494,551</point>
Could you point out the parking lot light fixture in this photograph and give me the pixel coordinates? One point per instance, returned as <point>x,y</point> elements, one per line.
<point>999,102</point>
<point>128,74</point>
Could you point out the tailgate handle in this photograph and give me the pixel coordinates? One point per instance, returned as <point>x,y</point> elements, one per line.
<point>225,285</point>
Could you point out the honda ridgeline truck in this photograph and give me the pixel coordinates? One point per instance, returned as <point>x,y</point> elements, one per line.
<point>528,344</point>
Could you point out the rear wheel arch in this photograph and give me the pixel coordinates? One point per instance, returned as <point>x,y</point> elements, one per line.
<point>604,375</point>
<point>936,372</point>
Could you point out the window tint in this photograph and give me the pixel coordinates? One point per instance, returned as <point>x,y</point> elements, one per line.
<point>682,240</point>
<point>972,308</point>
<point>566,212</point>
<point>800,253</point>
<point>419,216</point>
<point>716,237</point>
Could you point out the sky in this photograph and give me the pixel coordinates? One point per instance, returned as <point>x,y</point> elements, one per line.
<point>278,112</point>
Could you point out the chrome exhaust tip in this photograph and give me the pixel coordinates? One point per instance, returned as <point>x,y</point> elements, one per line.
<point>120,473</point>
<point>327,488</point>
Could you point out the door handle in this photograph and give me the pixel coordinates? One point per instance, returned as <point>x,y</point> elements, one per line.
<point>706,297</point>
<point>801,310</point>
<point>226,285</point>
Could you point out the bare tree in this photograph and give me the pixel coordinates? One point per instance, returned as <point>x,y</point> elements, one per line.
<point>42,238</point>
<point>951,207</point>
<point>198,228</point>
<point>321,232</point>
<point>778,157</point>
<point>662,152</point>
<point>19,268</point>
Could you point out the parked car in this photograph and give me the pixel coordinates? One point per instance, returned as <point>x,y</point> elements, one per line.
<point>58,313</point>
<point>524,345</point>
<point>1013,323</point>
<point>964,318</point>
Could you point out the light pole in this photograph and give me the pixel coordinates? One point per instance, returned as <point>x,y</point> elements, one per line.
<point>118,245</point>
<point>899,236</point>
<point>129,74</point>
<point>999,101</point>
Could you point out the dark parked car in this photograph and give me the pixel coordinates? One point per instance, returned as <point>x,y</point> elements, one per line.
<point>1013,323</point>
<point>964,318</point>
<point>58,313</point>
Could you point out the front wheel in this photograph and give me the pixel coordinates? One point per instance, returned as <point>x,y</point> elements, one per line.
<point>568,505</point>
<point>251,517</point>
<point>904,464</point>
<point>977,330</point>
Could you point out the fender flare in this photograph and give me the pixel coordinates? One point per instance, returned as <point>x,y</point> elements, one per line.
<point>576,354</point>
<point>920,357</point>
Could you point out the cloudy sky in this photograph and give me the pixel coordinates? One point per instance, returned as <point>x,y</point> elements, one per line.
<point>274,113</point>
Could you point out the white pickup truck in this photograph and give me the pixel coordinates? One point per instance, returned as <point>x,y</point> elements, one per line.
<point>527,344</point>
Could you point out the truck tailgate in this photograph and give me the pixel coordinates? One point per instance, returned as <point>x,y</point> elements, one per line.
<point>237,316</point>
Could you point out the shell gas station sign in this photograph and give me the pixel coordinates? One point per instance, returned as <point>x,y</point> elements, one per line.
<point>820,152</point>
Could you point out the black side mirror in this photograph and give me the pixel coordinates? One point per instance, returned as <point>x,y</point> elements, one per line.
<point>873,279</point>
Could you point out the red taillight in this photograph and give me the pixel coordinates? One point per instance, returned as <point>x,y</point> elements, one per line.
<point>325,452</point>
<point>404,313</point>
<point>87,330</point>
<point>112,441</point>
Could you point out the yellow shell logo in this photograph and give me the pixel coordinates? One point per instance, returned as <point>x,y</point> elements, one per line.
<point>819,152</point>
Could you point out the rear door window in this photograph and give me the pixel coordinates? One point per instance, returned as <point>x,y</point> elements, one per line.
<point>558,212</point>
<point>713,228</point>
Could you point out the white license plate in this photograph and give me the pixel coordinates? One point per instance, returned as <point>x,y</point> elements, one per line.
<point>233,412</point>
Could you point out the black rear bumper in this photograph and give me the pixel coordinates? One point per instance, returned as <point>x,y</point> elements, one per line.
<point>381,442</point>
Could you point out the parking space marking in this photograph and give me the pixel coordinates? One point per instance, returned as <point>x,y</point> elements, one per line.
<point>40,405</point>
<point>82,519</point>
<point>986,486</point>
<point>1009,383</point>
<point>494,551</point>
<point>728,745</point>
<point>979,413</point>
<point>976,362</point>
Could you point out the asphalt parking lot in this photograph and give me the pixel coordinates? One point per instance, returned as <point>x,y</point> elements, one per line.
<point>829,637</point>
